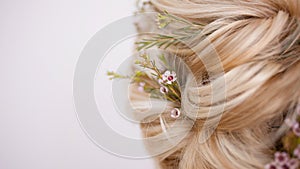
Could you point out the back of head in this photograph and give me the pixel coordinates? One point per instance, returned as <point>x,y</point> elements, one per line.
<point>258,44</point>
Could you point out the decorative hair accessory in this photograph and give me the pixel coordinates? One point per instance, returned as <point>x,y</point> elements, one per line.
<point>160,84</point>
<point>287,156</point>
<point>166,85</point>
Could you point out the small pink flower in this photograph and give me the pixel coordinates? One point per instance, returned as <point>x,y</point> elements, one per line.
<point>289,122</point>
<point>281,158</point>
<point>141,89</point>
<point>141,86</point>
<point>163,90</point>
<point>160,81</point>
<point>175,113</point>
<point>293,163</point>
<point>272,165</point>
<point>296,129</point>
<point>169,77</point>
<point>297,152</point>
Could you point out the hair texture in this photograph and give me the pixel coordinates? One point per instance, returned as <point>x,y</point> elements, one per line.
<point>257,43</point>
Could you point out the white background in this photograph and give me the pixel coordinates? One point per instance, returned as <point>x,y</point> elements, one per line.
<point>40,42</point>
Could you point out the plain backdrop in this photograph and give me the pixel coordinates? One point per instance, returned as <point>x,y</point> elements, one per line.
<point>40,42</point>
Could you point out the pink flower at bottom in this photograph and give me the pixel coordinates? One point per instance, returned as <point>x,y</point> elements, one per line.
<point>293,163</point>
<point>175,113</point>
<point>281,158</point>
<point>272,165</point>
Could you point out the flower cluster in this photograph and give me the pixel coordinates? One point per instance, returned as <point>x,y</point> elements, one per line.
<point>291,144</point>
<point>165,85</point>
<point>166,81</point>
<point>168,77</point>
<point>282,160</point>
<point>160,84</point>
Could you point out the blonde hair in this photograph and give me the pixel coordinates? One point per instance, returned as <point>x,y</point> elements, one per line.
<point>258,45</point>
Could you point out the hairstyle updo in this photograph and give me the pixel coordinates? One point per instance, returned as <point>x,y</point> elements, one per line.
<point>258,45</point>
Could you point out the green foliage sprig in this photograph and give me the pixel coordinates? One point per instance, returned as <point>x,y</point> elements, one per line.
<point>187,30</point>
<point>162,84</point>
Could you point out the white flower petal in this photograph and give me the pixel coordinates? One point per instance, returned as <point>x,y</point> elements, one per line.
<point>167,73</point>
<point>142,83</point>
<point>160,81</point>
<point>141,89</point>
